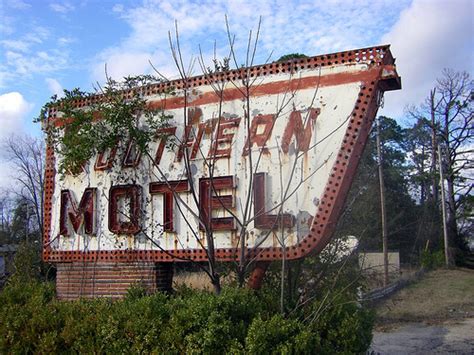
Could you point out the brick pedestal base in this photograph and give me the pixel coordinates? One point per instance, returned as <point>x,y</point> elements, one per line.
<point>164,277</point>
<point>89,280</point>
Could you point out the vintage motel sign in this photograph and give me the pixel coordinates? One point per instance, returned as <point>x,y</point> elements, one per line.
<point>282,171</point>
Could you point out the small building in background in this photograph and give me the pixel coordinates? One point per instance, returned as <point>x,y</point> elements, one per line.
<point>372,262</point>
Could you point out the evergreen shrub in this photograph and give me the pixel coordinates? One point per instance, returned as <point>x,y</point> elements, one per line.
<point>32,320</point>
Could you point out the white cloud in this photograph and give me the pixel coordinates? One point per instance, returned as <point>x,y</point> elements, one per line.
<point>121,64</point>
<point>62,8</point>
<point>6,25</point>
<point>117,8</point>
<point>18,4</point>
<point>35,63</point>
<point>66,40</point>
<point>6,181</point>
<point>38,35</point>
<point>28,55</point>
<point>426,35</point>
<point>429,36</point>
<point>55,87</point>
<point>16,45</point>
<point>13,109</point>
<point>287,27</point>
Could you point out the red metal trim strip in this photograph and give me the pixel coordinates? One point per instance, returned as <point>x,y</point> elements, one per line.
<point>336,189</point>
<point>378,55</point>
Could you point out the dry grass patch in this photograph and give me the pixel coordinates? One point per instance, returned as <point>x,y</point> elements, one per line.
<point>438,296</point>
<point>195,280</point>
<point>198,280</point>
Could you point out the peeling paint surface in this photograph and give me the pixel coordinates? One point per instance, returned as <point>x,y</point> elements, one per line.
<point>297,126</point>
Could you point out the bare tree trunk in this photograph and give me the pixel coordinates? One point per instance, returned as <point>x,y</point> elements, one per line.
<point>451,221</point>
<point>434,148</point>
<point>26,154</point>
<point>421,171</point>
<point>443,208</point>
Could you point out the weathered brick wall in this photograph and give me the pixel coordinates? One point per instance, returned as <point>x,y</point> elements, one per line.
<point>88,279</point>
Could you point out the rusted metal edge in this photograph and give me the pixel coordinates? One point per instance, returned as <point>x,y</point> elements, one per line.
<point>370,55</point>
<point>330,206</point>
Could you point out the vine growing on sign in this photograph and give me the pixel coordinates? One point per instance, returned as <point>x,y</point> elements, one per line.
<point>116,113</point>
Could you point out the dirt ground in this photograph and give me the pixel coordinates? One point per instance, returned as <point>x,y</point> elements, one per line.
<point>419,338</point>
<point>432,316</point>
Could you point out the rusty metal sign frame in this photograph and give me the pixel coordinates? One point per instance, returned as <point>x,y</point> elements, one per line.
<point>380,76</point>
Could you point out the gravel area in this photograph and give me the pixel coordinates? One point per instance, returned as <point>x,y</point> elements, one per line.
<point>434,315</point>
<point>419,338</point>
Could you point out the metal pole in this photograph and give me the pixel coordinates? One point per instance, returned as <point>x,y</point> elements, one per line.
<point>382,207</point>
<point>443,208</point>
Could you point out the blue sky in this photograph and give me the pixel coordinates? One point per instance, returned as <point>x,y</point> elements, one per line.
<point>46,46</point>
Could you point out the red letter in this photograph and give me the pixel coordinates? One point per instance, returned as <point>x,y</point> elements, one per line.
<point>163,134</point>
<point>190,137</point>
<point>124,209</point>
<point>132,155</point>
<point>262,219</point>
<point>222,146</point>
<point>295,128</point>
<point>259,138</point>
<point>168,189</point>
<point>84,214</point>
<point>210,201</point>
<point>105,159</point>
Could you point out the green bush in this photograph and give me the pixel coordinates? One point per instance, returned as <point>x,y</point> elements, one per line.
<point>342,326</point>
<point>27,263</point>
<point>26,314</point>
<point>432,260</point>
<point>278,336</point>
<point>238,321</point>
<point>338,327</point>
<point>204,322</point>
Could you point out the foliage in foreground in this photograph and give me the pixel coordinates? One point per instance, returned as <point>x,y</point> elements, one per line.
<point>237,321</point>
<point>432,260</point>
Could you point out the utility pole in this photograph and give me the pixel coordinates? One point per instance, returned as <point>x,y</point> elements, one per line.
<point>382,207</point>
<point>443,208</point>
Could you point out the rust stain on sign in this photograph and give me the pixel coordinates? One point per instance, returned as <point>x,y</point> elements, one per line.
<point>325,123</point>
